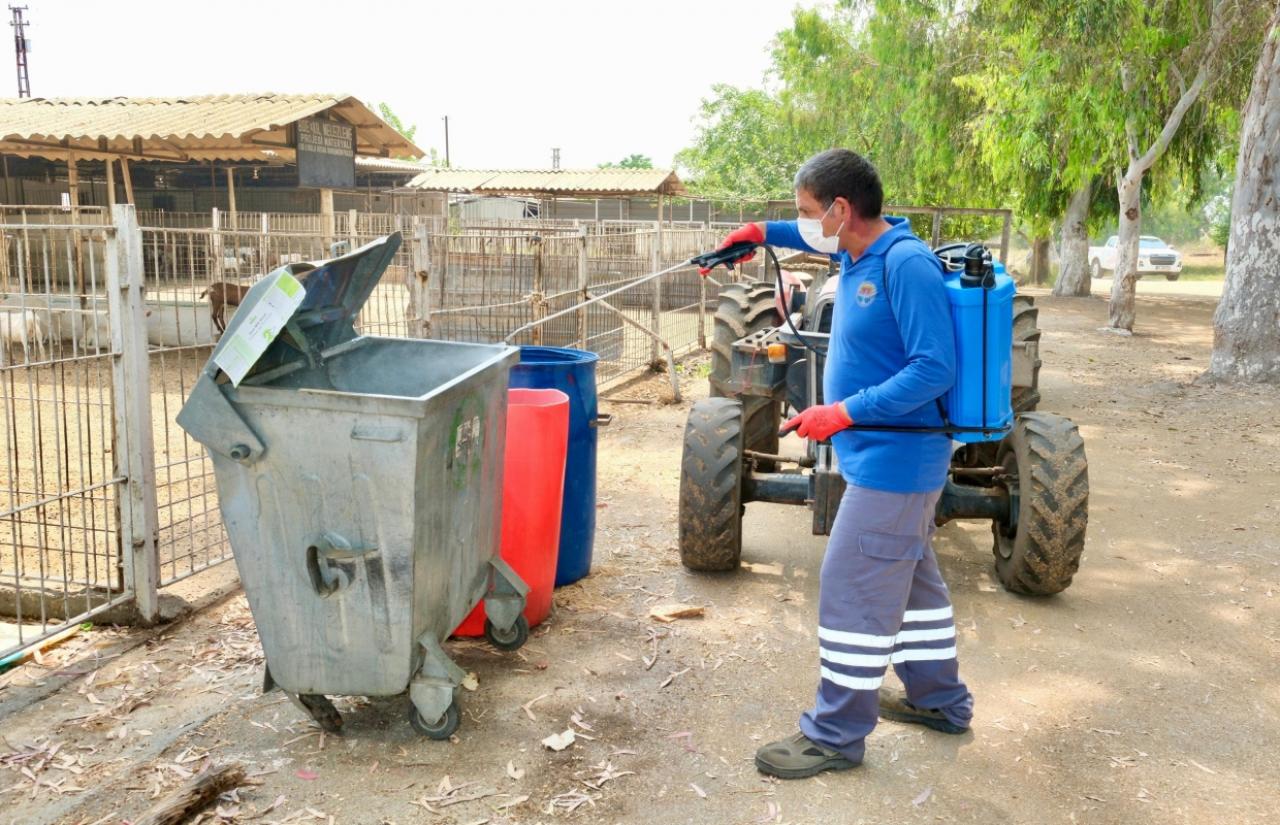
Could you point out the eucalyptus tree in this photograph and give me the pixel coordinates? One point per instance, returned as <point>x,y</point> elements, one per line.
<point>1246,341</point>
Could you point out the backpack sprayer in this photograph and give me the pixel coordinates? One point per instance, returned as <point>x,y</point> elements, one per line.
<point>977,408</point>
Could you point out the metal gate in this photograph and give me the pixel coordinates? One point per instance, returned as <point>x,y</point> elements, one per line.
<point>73,541</point>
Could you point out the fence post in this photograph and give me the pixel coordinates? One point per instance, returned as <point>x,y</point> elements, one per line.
<point>215,242</point>
<point>539,279</point>
<point>584,284</point>
<point>655,256</point>
<point>936,236</point>
<point>419,308</point>
<point>702,294</point>
<point>352,234</point>
<point>264,245</point>
<point>134,453</point>
<point>1004,237</point>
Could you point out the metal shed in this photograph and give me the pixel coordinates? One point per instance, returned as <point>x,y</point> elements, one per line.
<point>552,185</point>
<point>227,128</point>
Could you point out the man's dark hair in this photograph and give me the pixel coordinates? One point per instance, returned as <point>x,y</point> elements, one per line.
<point>841,173</point>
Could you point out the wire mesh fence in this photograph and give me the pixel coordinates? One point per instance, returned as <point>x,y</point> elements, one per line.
<point>93,375</point>
<point>488,284</point>
<point>60,487</point>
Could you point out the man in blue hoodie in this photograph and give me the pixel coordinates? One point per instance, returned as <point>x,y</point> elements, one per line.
<point>891,357</point>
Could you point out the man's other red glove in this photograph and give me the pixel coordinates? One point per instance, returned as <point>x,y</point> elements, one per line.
<point>819,423</point>
<point>747,232</point>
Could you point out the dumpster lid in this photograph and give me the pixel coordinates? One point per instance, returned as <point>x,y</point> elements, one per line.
<point>335,292</point>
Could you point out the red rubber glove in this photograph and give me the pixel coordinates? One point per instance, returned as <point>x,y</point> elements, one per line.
<point>746,232</point>
<point>819,423</point>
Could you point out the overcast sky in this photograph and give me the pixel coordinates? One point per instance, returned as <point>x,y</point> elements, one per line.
<point>599,79</point>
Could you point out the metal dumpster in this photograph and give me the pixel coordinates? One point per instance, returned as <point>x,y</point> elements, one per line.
<point>360,482</point>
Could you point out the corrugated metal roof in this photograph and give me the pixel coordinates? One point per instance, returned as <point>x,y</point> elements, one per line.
<point>216,127</point>
<point>370,164</point>
<point>444,179</point>
<point>551,181</point>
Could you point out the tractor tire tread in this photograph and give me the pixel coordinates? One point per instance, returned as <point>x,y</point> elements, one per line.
<point>1054,513</point>
<point>710,517</point>
<point>1026,327</point>
<point>745,308</point>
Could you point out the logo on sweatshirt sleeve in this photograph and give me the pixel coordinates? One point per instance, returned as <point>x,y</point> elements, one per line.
<point>866,294</point>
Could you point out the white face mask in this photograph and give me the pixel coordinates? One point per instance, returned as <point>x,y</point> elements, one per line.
<point>811,231</point>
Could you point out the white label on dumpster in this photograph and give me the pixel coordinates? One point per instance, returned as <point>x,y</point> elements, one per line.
<point>261,325</point>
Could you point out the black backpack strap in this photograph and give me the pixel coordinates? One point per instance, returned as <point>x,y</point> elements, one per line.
<point>942,410</point>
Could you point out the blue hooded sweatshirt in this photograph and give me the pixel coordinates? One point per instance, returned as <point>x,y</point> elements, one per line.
<point>892,355</point>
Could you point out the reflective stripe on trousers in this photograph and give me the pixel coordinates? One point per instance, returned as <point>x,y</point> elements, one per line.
<point>882,602</point>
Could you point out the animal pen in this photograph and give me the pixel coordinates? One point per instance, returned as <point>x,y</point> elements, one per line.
<point>105,500</point>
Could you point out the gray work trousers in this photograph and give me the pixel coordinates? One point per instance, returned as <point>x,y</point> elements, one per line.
<point>882,602</point>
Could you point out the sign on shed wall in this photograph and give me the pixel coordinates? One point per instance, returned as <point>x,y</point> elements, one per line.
<point>326,154</point>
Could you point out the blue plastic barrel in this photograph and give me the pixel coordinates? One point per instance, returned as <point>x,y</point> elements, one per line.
<point>573,372</point>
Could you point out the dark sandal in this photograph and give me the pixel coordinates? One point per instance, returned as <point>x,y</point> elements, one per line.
<point>797,757</point>
<point>895,707</point>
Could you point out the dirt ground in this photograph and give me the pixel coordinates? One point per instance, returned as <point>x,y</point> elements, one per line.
<point>1146,693</point>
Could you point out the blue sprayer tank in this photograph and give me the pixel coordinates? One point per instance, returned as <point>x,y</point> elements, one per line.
<point>980,398</point>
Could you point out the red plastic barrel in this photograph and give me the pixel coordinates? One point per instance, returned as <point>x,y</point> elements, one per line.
<point>532,489</point>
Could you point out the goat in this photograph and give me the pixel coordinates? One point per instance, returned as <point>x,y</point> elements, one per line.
<point>222,295</point>
<point>20,326</point>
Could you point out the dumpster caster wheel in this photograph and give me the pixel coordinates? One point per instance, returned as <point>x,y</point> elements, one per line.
<point>512,639</point>
<point>443,728</point>
<point>318,706</point>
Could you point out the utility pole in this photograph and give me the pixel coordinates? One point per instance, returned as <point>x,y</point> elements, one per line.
<point>20,47</point>
<point>446,141</point>
<point>555,157</point>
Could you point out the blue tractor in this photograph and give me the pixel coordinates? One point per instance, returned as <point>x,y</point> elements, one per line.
<point>1027,474</point>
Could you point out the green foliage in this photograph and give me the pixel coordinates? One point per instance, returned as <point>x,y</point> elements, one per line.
<point>1220,226</point>
<point>635,161</point>
<point>882,88</point>
<point>394,122</point>
<point>985,102</point>
<point>746,146</point>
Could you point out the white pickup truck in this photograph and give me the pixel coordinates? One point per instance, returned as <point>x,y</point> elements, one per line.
<point>1155,257</point>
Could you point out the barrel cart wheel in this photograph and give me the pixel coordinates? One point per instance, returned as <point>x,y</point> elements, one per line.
<point>1037,551</point>
<point>443,728</point>
<point>508,640</point>
<point>711,486</point>
<point>316,705</point>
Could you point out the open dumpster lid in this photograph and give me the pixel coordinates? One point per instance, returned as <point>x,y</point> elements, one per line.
<point>297,312</point>
<point>271,327</point>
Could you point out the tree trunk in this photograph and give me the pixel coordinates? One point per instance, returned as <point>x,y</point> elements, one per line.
<point>1039,260</point>
<point>1125,278</point>
<point>1073,271</point>
<point>1246,340</point>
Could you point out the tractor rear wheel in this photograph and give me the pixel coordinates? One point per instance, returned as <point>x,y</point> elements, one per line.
<point>1026,329</point>
<point>1048,479</point>
<point>745,308</point>
<point>711,486</point>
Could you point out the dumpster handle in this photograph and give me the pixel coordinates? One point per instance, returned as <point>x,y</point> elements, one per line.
<point>327,560</point>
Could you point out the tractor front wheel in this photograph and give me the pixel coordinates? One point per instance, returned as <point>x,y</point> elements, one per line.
<point>711,486</point>
<point>1038,551</point>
